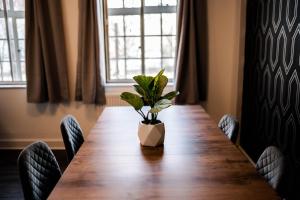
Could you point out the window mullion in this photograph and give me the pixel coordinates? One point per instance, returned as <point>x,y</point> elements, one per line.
<point>161,42</point>
<point>142,37</point>
<point>17,70</point>
<point>17,51</point>
<point>125,48</point>
<point>8,39</point>
<point>106,40</point>
<point>119,14</point>
<point>124,41</point>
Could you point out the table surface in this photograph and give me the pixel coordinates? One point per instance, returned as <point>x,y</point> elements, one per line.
<point>197,161</point>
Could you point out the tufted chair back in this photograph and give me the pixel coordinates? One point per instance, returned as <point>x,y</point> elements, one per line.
<point>72,135</point>
<point>230,126</point>
<point>39,171</point>
<point>271,166</point>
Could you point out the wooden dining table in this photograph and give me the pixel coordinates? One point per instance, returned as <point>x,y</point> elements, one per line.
<point>197,161</point>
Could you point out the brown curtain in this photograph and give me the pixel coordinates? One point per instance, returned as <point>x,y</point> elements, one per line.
<point>46,66</point>
<point>191,62</point>
<point>89,88</point>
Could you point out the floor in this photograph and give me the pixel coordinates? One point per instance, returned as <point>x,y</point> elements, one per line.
<point>10,186</point>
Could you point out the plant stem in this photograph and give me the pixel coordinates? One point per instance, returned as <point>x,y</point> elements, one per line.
<point>148,114</point>
<point>155,116</point>
<point>152,117</point>
<point>142,114</point>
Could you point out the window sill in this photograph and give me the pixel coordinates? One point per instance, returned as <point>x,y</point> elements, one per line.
<point>112,89</point>
<point>12,86</point>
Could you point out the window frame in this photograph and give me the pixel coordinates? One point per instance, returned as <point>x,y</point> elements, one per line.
<point>14,15</point>
<point>133,11</point>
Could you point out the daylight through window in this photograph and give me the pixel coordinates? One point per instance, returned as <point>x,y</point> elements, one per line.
<point>141,38</point>
<point>12,41</point>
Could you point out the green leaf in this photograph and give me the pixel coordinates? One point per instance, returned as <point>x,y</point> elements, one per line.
<point>143,93</point>
<point>160,73</point>
<point>133,99</point>
<point>139,90</point>
<point>160,105</point>
<point>143,81</point>
<point>160,86</point>
<point>170,95</point>
<point>153,83</point>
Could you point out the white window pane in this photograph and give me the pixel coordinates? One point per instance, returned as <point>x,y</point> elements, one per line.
<point>153,66</point>
<point>168,65</point>
<point>113,47</point>
<point>132,3</point>
<point>23,70</point>
<point>116,47</point>
<point>134,67</point>
<point>169,44</point>
<point>159,38</point>
<point>21,28</point>
<point>1,6</point>
<point>19,5</point>
<point>4,54</point>
<point>152,24</point>
<point>16,32</point>
<point>11,42</point>
<point>16,71</point>
<point>169,23</point>
<point>115,3</point>
<point>133,47</point>
<point>10,28</point>
<point>169,2</point>
<point>117,69</point>
<point>7,5</point>
<point>2,28</point>
<point>21,50</point>
<point>116,26</point>
<point>152,47</point>
<point>13,50</point>
<point>152,2</point>
<point>6,73</point>
<point>132,25</point>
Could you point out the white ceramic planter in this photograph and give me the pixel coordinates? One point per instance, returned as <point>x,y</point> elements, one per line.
<point>151,135</point>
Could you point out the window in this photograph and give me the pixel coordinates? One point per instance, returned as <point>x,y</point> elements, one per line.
<point>141,38</point>
<point>12,42</point>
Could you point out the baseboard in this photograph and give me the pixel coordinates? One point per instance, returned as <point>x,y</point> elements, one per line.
<point>21,143</point>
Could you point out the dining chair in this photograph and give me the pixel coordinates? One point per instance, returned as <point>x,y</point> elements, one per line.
<point>39,171</point>
<point>230,127</point>
<point>72,135</point>
<point>271,166</point>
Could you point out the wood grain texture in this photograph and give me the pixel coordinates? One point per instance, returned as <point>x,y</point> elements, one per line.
<point>197,161</point>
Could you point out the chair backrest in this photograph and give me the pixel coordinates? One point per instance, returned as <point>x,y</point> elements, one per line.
<point>271,165</point>
<point>72,135</point>
<point>39,171</point>
<point>230,127</point>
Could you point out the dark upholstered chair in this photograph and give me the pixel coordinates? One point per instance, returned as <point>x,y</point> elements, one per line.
<point>271,166</point>
<point>72,135</point>
<point>39,171</point>
<point>230,126</point>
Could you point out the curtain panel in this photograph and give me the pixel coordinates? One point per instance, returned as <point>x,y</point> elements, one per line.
<point>46,65</point>
<point>191,54</point>
<point>89,87</point>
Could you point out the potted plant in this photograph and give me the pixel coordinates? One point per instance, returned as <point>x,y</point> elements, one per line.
<point>150,89</point>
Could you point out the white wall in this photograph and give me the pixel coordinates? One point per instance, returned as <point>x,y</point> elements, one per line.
<point>22,123</point>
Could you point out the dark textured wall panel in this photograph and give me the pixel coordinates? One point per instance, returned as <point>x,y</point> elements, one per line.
<point>271,109</point>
